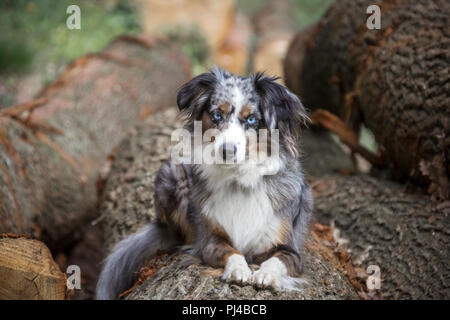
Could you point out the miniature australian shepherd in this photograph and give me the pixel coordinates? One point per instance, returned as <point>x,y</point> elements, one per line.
<point>237,212</point>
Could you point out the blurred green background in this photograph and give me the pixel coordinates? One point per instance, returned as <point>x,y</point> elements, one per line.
<point>34,32</point>
<point>36,44</point>
<point>37,30</point>
<point>306,12</point>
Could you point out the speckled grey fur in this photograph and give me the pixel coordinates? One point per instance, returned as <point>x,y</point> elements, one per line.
<point>180,190</point>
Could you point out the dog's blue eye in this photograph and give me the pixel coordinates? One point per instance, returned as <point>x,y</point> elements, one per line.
<point>251,120</point>
<point>217,115</point>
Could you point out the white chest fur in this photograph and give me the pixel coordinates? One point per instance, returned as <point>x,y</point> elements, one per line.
<point>246,216</point>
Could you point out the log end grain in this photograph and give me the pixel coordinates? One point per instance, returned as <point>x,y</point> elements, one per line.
<point>28,271</point>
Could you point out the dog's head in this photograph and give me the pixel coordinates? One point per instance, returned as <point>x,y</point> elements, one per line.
<point>234,106</point>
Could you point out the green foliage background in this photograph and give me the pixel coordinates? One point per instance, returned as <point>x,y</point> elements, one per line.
<point>34,38</point>
<point>34,32</point>
<point>37,30</point>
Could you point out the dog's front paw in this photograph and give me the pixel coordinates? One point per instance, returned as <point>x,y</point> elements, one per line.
<point>237,269</point>
<point>265,278</point>
<point>273,273</point>
<point>269,274</point>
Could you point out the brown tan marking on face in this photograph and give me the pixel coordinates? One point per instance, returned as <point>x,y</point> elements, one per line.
<point>247,110</point>
<point>208,123</point>
<point>225,108</point>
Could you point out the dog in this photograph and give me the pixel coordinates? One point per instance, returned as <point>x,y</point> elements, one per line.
<point>234,213</point>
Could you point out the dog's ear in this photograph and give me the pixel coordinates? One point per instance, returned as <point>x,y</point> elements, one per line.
<point>280,108</point>
<point>193,95</point>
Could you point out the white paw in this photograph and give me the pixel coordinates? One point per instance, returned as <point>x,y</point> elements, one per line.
<point>264,278</point>
<point>237,269</point>
<point>273,273</point>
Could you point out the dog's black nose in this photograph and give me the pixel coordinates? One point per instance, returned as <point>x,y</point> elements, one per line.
<point>228,151</point>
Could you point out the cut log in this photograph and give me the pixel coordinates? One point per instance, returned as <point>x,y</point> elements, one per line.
<point>176,280</point>
<point>28,271</point>
<point>274,27</point>
<point>405,235</point>
<point>394,79</point>
<point>128,205</point>
<point>52,149</point>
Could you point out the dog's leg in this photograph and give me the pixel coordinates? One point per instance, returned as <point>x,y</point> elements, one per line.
<point>219,253</point>
<point>281,270</point>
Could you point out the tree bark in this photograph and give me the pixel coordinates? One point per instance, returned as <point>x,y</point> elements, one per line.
<point>28,271</point>
<point>128,205</point>
<point>176,280</point>
<point>52,149</point>
<point>405,234</point>
<point>394,79</point>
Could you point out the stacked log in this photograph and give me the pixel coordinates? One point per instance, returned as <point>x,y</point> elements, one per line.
<point>52,149</point>
<point>404,234</point>
<point>28,271</point>
<point>394,80</point>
